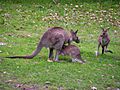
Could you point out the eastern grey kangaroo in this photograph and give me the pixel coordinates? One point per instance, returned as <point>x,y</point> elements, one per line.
<point>54,38</point>
<point>72,51</point>
<point>103,41</point>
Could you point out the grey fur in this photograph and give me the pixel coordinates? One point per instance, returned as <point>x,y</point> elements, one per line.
<point>72,51</point>
<point>104,41</point>
<point>54,38</point>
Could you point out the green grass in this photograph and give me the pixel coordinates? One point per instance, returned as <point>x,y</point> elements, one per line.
<point>22,23</point>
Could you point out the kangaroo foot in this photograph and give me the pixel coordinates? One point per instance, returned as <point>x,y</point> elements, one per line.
<point>108,51</point>
<point>50,60</point>
<point>56,60</point>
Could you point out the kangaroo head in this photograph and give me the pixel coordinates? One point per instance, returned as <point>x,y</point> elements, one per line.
<point>74,36</point>
<point>104,32</point>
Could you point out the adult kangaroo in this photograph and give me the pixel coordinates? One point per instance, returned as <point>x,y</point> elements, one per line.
<point>103,41</point>
<point>54,38</point>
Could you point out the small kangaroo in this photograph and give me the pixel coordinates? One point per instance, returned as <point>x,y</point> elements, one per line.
<point>103,41</point>
<point>72,51</point>
<point>54,38</point>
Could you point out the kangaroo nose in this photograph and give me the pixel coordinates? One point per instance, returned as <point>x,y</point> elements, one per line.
<point>77,41</point>
<point>103,33</point>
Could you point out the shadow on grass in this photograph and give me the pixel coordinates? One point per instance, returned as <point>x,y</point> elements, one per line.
<point>90,56</point>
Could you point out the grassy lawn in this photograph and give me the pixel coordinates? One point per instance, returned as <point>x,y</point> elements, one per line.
<point>23,22</point>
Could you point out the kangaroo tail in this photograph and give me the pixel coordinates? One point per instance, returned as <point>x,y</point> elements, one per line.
<point>38,49</point>
<point>109,51</point>
<point>25,57</point>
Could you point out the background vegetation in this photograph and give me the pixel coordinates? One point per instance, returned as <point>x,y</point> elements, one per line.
<point>23,22</point>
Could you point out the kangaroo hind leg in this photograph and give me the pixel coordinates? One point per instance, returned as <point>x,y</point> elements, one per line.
<point>102,49</point>
<point>57,55</point>
<point>50,59</point>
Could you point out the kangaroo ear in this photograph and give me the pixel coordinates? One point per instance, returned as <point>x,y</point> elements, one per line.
<point>102,28</point>
<point>71,30</point>
<point>107,28</point>
<point>76,31</point>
